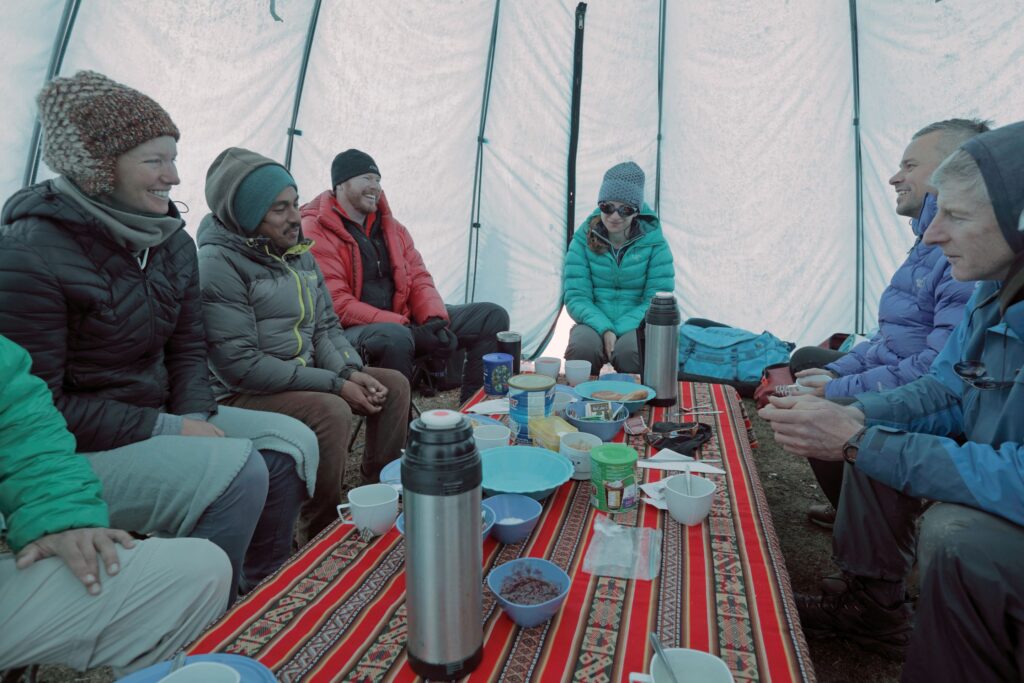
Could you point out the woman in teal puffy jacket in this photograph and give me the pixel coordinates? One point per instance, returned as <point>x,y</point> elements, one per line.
<point>616,262</point>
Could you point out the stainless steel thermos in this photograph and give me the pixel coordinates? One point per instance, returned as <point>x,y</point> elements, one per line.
<point>441,476</point>
<point>661,349</point>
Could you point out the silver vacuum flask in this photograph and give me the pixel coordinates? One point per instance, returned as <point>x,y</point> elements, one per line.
<point>441,475</point>
<point>661,349</point>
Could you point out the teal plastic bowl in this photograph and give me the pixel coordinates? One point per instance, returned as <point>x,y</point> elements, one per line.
<point>587,389</point>
<point>528,470</point>
<point>488,521</point>
<point>513,506</point>
<point>602,429</point>
<point>529,615</point>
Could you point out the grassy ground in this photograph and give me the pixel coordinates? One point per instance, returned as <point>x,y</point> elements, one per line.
<point>790,488</point>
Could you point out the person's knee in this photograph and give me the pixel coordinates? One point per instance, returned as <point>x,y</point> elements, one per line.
<point>251,484</point>
<point>198,564</point>
<point>803,358</point>
<point>948,539</point>
<point>497,319</point>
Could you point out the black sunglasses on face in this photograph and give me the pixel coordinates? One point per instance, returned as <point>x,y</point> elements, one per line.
<point>625,210</point>
<point>974,373</point>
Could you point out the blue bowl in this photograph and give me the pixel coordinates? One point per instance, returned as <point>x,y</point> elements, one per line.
<point>602,429</point>
<point>488,521</point>
<point>587,389</point>
<point>528,470</point>
<point>618,377</point>
<point>529,615</point>
<point>514,506</point>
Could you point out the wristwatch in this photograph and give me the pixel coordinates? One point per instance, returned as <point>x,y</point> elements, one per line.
<point>852,445</point>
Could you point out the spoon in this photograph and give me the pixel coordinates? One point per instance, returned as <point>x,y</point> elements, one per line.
<point>660,651</point>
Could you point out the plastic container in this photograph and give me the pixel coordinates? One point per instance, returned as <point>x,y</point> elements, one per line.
<point>528,396</point>
<point>530,615</point>
<point>613,477</point>
<point>547,431</point>
<point>515,516</point>
<point>497,371</point>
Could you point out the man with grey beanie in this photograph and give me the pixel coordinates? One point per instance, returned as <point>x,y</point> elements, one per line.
<point>954,436</point>
<point>382,290</point>
<point>617,261</point>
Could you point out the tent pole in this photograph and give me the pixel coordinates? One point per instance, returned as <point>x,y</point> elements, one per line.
<point>859,171</point>
<point>310,34</point>
<point>478,169</point>
<point>661,89</point>
<point>574,139</point>
<point>60,46</point>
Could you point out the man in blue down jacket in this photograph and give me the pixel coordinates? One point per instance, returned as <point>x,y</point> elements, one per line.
<point>954,436</point>
<point>917,311</point>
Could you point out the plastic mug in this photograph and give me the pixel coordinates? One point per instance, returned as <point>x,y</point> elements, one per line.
<point>373,507</point>
<point>576,446</point>
<point>577,371</point>
<point>203,672</point>
<point>548,365</point>
<point>687,665</point>
<point>689,498</point>
<point>491,436</point>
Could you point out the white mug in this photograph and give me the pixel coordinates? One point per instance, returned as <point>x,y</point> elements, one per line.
<point>689,498</point>
<point>373,507</point>
<point>576,446</point>
<point>687,665</point>
<point>203,672</point>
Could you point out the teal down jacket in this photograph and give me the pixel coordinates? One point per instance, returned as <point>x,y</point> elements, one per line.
<point>607,295</point>
<point>910,444</point>
<point>45,487</point>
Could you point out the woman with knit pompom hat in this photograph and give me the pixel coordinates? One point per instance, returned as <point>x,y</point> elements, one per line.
<point>617,261</point>
<point>99,282</point>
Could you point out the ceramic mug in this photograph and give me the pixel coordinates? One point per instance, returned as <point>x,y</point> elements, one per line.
<point>689,498</point>
<point>373,507</point>
<point>687,665</point>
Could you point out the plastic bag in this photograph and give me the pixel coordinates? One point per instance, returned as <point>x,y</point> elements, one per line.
<point>622,551</point>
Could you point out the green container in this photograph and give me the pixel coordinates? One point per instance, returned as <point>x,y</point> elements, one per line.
<point>613,477</point>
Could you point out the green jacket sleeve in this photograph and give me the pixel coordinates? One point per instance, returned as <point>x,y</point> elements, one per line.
<point>45,487</point>
<point>579,289</point>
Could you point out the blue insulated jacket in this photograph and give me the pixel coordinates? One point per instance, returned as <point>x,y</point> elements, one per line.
<point>604,293</point>
<point>908,445</point>
<point>916,314</point>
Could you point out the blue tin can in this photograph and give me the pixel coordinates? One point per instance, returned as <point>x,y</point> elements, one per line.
<point>497,370</point>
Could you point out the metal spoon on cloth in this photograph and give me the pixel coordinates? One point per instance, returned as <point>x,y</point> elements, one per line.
<point>656,643</point>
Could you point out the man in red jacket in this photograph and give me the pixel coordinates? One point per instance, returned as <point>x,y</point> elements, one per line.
<point>387,302</point>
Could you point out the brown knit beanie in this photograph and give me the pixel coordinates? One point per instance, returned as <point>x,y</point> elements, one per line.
<point>89,121</point>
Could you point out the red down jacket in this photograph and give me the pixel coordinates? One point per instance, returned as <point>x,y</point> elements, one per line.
<point>416,298</point>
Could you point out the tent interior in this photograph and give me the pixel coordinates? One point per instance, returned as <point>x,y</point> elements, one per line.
<point>767,129</point>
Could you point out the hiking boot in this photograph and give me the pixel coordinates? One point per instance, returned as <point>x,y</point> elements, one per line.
<point>824,515</point>
<point>856,615</point>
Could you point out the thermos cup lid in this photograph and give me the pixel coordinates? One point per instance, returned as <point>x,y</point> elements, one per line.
<point>441,419</point>
<point>664,295</point>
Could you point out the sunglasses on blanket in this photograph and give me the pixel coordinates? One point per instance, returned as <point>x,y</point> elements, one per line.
<point>608,209</point>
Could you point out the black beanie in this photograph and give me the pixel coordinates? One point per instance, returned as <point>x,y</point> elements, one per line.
<point>349,164</point>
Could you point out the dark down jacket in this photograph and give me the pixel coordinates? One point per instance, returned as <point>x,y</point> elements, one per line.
<point>114,342</point>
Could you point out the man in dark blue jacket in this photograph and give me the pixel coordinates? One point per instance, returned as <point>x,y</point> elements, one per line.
<point>955,436</point>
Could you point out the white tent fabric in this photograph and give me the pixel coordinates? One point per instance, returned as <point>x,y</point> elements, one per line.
<point>758,180</point>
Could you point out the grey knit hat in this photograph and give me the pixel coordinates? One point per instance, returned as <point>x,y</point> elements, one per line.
<point>88,121</point>
<point>623,183</point>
